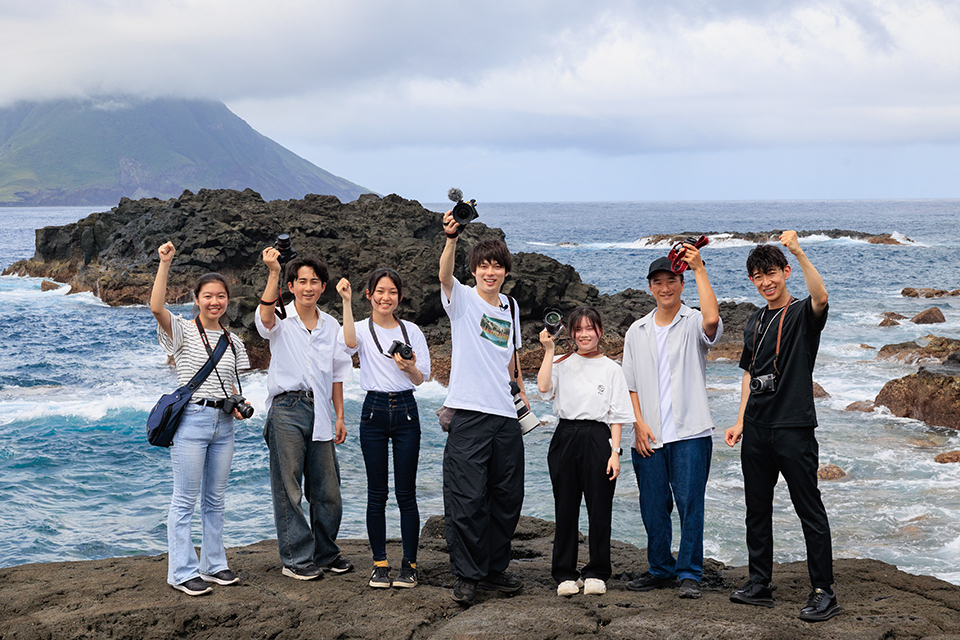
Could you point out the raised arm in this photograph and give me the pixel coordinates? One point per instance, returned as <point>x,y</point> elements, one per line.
<point>268,310</point>
<point>349,328</point>
<point>815,286</point>
<point>159,293</point>
<point>708,299</point>
<point>450,227</point>
<point>545,374</point>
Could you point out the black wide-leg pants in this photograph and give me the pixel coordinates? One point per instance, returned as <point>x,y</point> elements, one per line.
<point>578,456</point>
<point>765,454</point>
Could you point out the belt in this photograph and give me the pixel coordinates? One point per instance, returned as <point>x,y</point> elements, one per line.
<point>216,404</point>
<point>306,393</point>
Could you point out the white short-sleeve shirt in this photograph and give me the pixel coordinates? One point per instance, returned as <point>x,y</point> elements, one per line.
<point>378,371</point>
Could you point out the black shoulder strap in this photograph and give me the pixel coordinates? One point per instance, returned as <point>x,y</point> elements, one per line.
<point>516,335</point>
<point>200,376</point>
<point>403,330</point>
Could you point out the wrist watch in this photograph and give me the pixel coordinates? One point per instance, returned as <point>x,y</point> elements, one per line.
<point>616,450</point>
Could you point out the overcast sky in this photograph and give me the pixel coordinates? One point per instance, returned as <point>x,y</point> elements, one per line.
<point>535,100</point>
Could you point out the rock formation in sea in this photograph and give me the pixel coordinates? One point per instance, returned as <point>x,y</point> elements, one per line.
<point>129,598</point>
<point>114,255</point>
<point>932,396</point>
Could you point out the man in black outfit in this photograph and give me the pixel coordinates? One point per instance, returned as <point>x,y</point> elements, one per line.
<point>776,421</point>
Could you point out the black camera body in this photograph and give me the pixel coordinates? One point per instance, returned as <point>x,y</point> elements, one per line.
<point>553,321</point>
<point>238,402</point>
<point>285,247</point>
<point>763,384</point>
<point>463,211</point>
<point>405,350</point>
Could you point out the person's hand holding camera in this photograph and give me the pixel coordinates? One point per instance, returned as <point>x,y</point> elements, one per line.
<point>271,258</point>
<point>691,256</point>
<point>450,226</point>
<point>546,340</point>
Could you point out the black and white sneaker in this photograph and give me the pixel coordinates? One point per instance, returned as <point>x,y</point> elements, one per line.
<point>339,565</point>
<point>380,579</point>
<point>194,587</point>
<point>225,577</point>
<point>309,572</point>
<point>408,576</point>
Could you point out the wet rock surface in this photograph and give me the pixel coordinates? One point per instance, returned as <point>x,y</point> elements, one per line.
<point>930,396</point>
<point>129,598</point>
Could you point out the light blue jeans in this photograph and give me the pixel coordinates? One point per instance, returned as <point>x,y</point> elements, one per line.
<point>201,455</point>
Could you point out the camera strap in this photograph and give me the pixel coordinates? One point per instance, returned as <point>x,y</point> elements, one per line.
<point>756,328</point>
<point>373,332</point>
<point>224,337</point>
<point>515,336</point>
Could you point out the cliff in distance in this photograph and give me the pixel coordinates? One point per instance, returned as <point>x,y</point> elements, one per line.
<point>95,151</point>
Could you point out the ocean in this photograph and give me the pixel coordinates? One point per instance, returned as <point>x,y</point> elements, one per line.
<point>77,379</point>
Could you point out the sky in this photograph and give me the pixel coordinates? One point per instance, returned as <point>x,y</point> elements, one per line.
<point>534,100</point>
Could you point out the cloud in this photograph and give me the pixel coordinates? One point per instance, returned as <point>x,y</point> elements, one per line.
<point>608,77</point>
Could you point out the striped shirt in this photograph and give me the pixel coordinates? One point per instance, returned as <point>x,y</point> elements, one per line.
<point>189,355</point>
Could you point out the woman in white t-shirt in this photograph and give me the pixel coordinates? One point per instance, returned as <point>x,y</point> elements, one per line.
<point>393,360</point>
<point>202,449</point>
<point>591,402</point>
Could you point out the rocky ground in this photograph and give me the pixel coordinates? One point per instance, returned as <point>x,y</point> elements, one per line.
<point>129,598</point>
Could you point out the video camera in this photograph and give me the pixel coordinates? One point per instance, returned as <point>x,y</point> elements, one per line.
<point>463,211</point>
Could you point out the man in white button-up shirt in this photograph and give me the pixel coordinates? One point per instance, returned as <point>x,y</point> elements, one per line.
<point>306,376</point>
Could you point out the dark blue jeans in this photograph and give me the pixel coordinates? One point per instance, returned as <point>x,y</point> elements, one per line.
<point>385,417</point>
<point>677,471</point>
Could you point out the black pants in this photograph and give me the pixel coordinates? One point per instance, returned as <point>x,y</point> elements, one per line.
<point>765,453</point>
<point>482,491</point>
<point>578,456</point>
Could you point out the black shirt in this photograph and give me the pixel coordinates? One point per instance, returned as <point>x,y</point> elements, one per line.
<point>791,405</point>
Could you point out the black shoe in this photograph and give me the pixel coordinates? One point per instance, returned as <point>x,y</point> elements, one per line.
<point>689,588</point>
<point>465,591</point>
<point>380,578</point>
<point>340,565</point>
<point>309,572</point>
<point>225,577</point>
<point>408,576</point>
<point>821,606</point>
<point>753,593</point>
<point>194,587</point>
<point>501,581</point>
<point>649,582</point>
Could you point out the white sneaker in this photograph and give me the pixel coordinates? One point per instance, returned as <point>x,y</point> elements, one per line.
<point>594,587</point>
<point>568,588</point>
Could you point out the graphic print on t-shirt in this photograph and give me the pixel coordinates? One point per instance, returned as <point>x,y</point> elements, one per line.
<point>495,330</point>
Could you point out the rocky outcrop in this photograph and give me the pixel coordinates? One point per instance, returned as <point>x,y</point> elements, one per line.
<point>929,349</point>
<point>947,457</point>
<point>933,315</point>
<point>933,397</point>
<point>114,255</point>
<point>830,472</point>
<point>866,406</point>
<point>763,237</point>
<point>910,292</point>
<point>819,392</point>
<point>129,598</point>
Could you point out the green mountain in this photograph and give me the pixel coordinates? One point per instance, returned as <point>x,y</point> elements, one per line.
<point>95,151</point>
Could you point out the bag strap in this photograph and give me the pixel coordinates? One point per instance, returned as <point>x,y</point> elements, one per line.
<point>215,354</point>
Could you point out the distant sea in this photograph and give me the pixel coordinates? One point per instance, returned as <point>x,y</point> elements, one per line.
<point>77,378</point>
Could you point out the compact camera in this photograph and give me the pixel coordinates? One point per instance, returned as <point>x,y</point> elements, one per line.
<point>552,321</point>
<point>238,402</point>
<point>405,350</point>
<point>464,210</point>
<point>285,247</point>
<point>763,384</point>
<point>528,421</point>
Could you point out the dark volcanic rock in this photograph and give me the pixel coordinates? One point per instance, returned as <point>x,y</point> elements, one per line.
<point>910,292</point>
<point>928,396</point>
<point>129,598</point>
<point>764,237</point>
<point>933,315</point>
<point>114,255</point>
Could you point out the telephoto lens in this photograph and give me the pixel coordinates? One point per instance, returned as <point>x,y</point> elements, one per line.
<point>553,321</point>
<point>528,421</point>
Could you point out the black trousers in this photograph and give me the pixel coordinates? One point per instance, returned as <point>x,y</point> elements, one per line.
<point>482,491</point>
<point>765,453</point>
<point>578,456</point>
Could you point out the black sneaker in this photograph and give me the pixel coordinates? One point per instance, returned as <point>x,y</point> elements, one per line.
<point>689,588</point>
<point>309,572</point>
<point>340,565</point>
<point>501,581</point>
<point>408,576</point>
<point>380,578</point>
<point>465,591</point>
<point>649,582</point>
<point>225,577</point>
<point>194,587</point>
<point>754,593</point>
<point>821,605</point>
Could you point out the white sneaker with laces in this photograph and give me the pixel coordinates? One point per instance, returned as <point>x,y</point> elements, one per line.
<point>594,587</point>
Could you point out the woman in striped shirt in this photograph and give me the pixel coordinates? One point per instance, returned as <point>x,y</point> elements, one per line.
<point>203,445</point>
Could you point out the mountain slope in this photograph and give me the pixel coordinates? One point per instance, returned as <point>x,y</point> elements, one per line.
<point>80,152</point>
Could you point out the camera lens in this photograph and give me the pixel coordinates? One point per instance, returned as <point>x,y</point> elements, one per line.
<point>464,212</point>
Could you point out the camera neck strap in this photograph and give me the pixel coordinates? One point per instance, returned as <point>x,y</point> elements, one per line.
<point>756,329</point>
<point>215,355</point>
<point>373,332</point>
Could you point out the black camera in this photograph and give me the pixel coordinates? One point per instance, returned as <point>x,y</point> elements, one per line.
<point>465,210</point>
<point>238,402</point>
<point>763,384</point>
<point>552,321</point>
<point>405,350</point>
<point>285,247</point>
